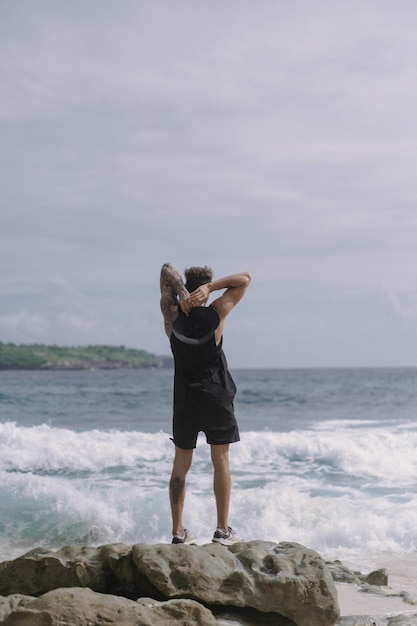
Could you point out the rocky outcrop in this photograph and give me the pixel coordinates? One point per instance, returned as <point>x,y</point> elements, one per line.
<point>75,606</point>
<point>252,583</point>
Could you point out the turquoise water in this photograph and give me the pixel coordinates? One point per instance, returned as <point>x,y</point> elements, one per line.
<point>326,458</point>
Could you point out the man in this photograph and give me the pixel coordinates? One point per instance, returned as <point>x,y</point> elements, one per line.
<point>203,387</point>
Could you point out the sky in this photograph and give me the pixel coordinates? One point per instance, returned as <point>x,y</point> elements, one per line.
<point>272,136</point>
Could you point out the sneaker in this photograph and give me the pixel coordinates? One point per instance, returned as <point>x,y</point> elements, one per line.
<point>186,537</point>
<point>226,539</point>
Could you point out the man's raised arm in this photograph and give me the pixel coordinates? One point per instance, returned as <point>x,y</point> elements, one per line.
<point>235,285</point>
<point>172,291</point>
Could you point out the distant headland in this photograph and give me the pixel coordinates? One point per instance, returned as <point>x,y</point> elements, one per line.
<point>45,357</point>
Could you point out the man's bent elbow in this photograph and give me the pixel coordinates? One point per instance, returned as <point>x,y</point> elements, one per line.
<point>165,268</point>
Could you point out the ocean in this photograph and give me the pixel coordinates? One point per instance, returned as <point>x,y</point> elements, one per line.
<point>327,458</point>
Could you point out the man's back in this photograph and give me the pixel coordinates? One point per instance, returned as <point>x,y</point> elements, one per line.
<point>201,373</point>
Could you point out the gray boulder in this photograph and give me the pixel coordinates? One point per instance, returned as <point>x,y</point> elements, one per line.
<point>342,574</point>
<point>284,578</point>
<point>82,607</point>
<point>40,570</point>
<point>378,577</point>
<point>285,581</point>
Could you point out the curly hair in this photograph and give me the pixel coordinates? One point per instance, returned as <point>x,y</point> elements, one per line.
<point>197,276</point>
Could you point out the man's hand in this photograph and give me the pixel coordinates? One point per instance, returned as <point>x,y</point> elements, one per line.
<point>200,296</point>
<point>186,305</point>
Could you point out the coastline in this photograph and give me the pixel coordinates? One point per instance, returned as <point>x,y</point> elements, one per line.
<point>52,357</point>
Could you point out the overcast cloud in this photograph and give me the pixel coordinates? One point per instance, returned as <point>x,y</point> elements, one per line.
<point>277,136</point>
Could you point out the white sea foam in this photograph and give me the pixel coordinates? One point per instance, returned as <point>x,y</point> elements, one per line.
<point>340,487</point>
<point>43,448</point>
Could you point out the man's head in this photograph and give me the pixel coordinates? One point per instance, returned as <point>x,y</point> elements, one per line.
<point>197,276</point>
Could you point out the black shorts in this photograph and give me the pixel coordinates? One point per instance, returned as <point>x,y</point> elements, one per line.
<point>219,426</point>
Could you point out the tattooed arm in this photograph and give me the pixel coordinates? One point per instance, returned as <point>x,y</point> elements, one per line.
<point>173,293</point>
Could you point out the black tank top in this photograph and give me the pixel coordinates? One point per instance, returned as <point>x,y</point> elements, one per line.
<point>201,375</point>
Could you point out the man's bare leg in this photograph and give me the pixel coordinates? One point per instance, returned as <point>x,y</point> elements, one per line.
<point>182,463</point>
<point>221,483</point>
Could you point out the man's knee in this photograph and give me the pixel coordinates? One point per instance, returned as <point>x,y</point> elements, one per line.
<point>220,454</point>
<point>182,460</point>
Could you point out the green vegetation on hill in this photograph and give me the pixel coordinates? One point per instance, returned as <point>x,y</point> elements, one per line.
<point>39,356</point>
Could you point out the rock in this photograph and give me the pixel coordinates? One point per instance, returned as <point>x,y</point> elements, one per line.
<point>123,578</point>
<point>249,617</point>
<point>367,620</point>
<point>39,571</point>
<point>378,577</point>
<point>286,578</point>
<point>361,620</point>
<point>402,620</point>
<point>408,598</point>
<point>7,605</point>
<point>83,607</point>
<point>342,574</point>
<point>283,580</point>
